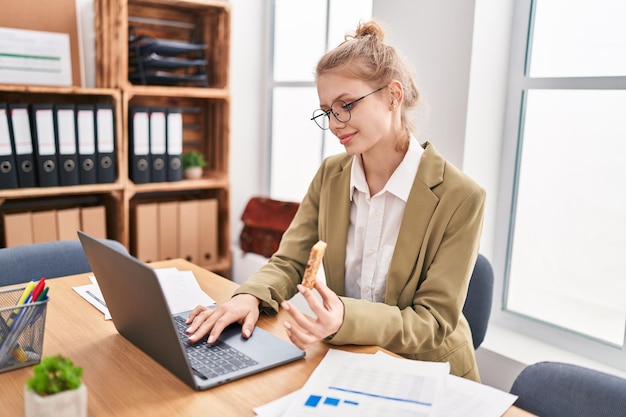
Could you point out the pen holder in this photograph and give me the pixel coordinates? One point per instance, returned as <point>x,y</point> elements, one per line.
<point>21,330</point>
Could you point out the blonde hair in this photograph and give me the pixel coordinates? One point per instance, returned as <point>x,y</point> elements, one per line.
<point>366,57</point>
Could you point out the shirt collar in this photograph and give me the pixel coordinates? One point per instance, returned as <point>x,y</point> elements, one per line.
<point>402,178</point>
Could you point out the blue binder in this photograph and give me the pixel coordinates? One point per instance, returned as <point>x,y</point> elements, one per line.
<point>44,142</point>
<point>8,170</point>
<point>19,126</point>
<point>158,145</point>
<point>105,139</point>
<point>174,144</point>
<point>86,133</point>
<point>65,125</point>
<point>139,151</point>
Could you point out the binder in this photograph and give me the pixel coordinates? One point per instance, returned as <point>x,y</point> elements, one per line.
<point>18,229</point>
<point>105,139</point>
<point>139,145</point>
<point>8,171</point>
<point>188,235</point>
<point>168,230</point>
<point>44,226</point>
<point>44,142</point>
<point>86,134</point>
<point>207,231</point>
<point>19,126</point>
<point>146,236</point>
<point>157,145</point>
<point>65,125</point>
<point>93,221</point>
<point>68,222</point>
<point>174,140</point>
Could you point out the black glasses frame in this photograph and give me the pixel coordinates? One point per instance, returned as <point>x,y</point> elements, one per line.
<point>345,106</point>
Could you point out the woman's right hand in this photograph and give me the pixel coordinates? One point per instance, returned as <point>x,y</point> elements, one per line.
<point>242,308</point>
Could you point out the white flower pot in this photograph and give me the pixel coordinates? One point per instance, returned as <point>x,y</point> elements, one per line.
<point>193,173</point>
<point>71,403</point>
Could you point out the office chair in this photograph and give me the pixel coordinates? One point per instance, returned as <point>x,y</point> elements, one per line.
<point>477,308</point>
<point>553,389</point>
<point>46,259</point>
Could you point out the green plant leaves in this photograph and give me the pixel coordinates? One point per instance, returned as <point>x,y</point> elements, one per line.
<point>55,374</point>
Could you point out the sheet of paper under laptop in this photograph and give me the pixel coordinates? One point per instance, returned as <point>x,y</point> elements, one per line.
<point>181,289</point>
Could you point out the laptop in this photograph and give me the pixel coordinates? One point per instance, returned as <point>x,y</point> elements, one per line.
<point>140,313</point>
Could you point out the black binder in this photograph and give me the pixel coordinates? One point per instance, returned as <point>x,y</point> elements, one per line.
<point>86,134</point>
<point>44,142</point>
<point>105,139</point>
<point>8,172</point>
<point>139,145</point>
<point>158,145</point>
<point>65,126</point>
<point>174,139</point>
<point>19,126</point>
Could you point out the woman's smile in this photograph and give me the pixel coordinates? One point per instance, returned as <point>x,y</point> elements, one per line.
<point>345,138</point>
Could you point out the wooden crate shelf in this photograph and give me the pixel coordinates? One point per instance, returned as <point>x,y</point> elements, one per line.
<point>206,111</point>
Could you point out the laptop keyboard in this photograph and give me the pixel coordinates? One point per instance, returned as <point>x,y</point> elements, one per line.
<point>210,361</point>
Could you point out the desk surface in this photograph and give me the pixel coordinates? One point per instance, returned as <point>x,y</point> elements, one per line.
<point>123,381</point>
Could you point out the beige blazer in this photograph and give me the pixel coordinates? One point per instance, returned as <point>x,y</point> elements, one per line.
<point>428,275</point>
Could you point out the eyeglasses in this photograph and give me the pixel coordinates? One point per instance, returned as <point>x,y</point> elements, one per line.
<point>340,110</point>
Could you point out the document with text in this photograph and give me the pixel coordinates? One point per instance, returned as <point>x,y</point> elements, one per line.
<point>350,384</point>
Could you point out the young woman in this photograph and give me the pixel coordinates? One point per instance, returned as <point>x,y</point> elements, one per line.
<point>401,223</point>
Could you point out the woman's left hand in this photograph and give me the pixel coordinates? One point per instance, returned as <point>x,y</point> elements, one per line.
<point>303,330</point>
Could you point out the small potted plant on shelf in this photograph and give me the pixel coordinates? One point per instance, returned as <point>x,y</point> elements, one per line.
<point>55,389</point>
<point>193,162</point>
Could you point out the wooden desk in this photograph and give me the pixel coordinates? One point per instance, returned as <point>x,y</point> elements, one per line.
<point>123,381</point>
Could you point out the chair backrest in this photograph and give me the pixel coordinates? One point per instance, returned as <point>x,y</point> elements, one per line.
<point>477,308</point>
<point>19,264</point>
<point>553,389</point>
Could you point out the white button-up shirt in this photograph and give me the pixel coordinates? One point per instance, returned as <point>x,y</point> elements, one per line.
<point>375,224</point>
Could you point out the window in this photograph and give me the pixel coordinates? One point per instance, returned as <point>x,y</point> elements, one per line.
<point>302,32</point>
<point>565,176</point>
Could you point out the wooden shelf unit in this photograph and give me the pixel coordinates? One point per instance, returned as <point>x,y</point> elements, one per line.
<point>206,112</point>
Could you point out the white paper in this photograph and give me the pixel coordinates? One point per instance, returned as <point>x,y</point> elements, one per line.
<point>35,57</point>
<point>181,289</point>
<point>349,384</point>
<point>461,398</point>
<point>91,292</point>
<point>465,398</point>
<point>276,408</point>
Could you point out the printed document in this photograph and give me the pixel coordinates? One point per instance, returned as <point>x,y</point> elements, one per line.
<point>35,57</point>
<point>349,384</point>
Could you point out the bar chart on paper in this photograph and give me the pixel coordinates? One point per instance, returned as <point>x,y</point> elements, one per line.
<point>317,405</point>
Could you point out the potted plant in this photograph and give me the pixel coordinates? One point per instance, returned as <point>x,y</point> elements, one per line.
<point>55,389</point>
<point>193,162</point>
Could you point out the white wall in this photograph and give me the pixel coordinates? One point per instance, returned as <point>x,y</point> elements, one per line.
<point>436,39</point>
<point>248,146</point>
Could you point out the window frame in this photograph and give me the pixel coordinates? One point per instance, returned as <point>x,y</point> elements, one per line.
<point>328,143</point>
<point>518,84</point>
<point>273,84</point>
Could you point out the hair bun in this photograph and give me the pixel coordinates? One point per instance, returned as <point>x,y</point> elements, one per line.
<point>369,29</point>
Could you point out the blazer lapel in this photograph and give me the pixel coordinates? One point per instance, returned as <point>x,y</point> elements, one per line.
<point>419,209</point>
<point>337,221</point>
